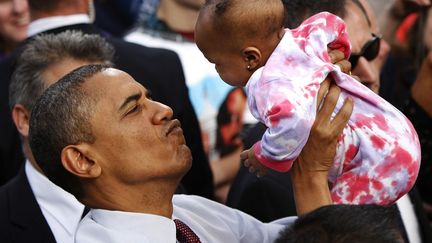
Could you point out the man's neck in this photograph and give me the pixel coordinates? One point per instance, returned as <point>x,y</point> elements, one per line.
<point>178,17</point>
<point>62,8</point>
<point>149,199</point>
<point>29,155</point>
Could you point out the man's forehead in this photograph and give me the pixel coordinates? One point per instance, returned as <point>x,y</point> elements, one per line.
<point>354,11</point>
<point>357,26</point>
<point>109,79</point>
<point>371,15</point>
<point>113,86</point>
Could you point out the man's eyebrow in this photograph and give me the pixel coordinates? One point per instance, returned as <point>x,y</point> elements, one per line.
<point>129,99</point>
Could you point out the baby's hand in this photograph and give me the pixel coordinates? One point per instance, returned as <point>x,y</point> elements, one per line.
<point>250,161</point>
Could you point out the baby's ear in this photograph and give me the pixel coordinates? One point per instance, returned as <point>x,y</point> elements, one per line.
<point>252,57</point>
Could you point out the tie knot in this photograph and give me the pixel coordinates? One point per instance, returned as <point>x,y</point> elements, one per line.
<point>85,212</point>
<point>184,233</point>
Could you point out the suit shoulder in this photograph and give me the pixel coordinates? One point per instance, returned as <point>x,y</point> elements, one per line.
<point>5,193</point>
<point>122,46</point>
<point>4,212</point>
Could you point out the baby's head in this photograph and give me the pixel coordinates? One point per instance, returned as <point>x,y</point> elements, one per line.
<point>238,36</point>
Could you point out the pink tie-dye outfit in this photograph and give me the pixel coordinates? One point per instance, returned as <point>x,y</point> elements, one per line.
<point>378,154</point>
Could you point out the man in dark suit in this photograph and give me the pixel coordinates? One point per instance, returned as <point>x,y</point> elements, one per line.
<point>267,197</point>
<point>157,69</point>
<point>33,209</point>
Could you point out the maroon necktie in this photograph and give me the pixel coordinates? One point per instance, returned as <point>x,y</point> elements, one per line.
<point>184,233</point>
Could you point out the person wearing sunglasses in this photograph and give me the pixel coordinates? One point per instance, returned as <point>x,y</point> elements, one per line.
<point>407,78</point>
<point>369,51</point>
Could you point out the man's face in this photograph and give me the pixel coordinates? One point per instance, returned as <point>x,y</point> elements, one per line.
<point>59,69</point>
<point>428,30</point>
<point>384,47</point>
<point>49,76</point>
<point>360,33</point>
<point>136,139</point>
<point>14,19</point>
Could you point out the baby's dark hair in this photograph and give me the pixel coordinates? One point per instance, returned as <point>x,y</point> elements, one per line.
<point>253,18</point>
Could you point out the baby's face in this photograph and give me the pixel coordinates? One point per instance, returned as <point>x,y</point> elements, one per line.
<point>220,50</point>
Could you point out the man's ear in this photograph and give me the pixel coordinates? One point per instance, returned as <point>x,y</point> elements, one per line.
<point>252,57</point>
<point>21,116</point>
<point>77,160</point>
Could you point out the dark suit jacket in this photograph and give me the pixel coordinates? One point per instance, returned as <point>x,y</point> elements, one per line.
<point>159,70</point>
<point>267,198</point>
<point>21,219</point>
<point>423,221</point>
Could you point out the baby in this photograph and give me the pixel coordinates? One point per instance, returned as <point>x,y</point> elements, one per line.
<point>378,154</point>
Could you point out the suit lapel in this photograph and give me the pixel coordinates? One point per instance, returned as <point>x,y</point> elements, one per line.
<point>26,214</point>
<point>424,224</point>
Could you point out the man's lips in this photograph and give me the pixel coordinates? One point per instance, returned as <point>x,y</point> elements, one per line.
<point>22,21</point>
<point>175,125</point>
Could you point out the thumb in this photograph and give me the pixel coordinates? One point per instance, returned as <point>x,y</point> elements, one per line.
<point>244,154</point>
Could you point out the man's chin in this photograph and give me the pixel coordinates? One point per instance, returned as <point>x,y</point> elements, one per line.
<point>186,166</point>
<point>185,157</point>
<point>373,86</point>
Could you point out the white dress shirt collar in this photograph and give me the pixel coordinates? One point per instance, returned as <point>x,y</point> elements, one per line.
<point>134,227</point>
<point>409,218</point>
<point>209,220</point>
<point>61,210</point>
<point>49,23</point>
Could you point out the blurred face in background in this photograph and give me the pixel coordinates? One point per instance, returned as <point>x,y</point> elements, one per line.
<point>14,20</point>
<point>361,32</point>
<point>428,31</point>
<point>384,46</point>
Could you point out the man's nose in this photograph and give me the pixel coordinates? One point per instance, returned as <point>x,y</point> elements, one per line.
<point>366,72</point>
<point>384,49</point>
<point>20,6</point>
<point>382,55</point>
<point>161,113</point>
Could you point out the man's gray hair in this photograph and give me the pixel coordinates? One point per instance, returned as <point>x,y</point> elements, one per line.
<point>39,54</point>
